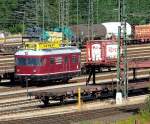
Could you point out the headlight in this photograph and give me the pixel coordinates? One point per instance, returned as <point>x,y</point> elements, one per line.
<point>18,70</point>
<point>34,70</point>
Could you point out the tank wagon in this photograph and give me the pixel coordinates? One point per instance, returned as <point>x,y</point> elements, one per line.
<point>103,31</point>
<point>48,64</point>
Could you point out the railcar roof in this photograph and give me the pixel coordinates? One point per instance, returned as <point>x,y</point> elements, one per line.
<point>63,50</point>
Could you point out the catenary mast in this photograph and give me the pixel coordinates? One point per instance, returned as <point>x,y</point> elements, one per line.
<point>122,76</point>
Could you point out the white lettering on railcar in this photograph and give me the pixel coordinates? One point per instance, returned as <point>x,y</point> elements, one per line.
<point>96,52</point>
<point>111,51</point>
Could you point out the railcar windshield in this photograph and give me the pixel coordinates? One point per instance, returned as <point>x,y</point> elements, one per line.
<point>29,61</point>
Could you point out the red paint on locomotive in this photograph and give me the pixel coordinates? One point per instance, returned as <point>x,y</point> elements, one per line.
<point>50,64</point>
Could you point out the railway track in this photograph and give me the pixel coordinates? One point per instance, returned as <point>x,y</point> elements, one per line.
<point>79,116</point>
<point>19,107</point>
<point>25,112</point>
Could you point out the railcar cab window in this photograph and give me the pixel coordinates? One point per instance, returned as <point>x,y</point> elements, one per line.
<point>29,61</point>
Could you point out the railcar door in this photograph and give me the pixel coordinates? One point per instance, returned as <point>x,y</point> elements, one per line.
<point>66,63</point>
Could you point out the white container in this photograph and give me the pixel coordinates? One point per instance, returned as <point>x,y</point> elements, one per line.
<point>112,29</point>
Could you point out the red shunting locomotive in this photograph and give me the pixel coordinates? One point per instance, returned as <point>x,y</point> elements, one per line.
<point>59,64</point>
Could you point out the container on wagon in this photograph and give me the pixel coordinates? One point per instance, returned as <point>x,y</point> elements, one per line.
<point>142,32</point>
<point>112,29</point>
<point>101,52</point>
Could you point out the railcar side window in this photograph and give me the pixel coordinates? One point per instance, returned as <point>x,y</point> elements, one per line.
<point>29,61</point>
<point>34,62</point>
<point>52,60</point>
<point>74,59</point>
<point>59,60</point>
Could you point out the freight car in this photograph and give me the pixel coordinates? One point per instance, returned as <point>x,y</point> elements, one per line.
<point>8,46</point>
<point>48,64</point>
<point>103,52</point>
<point>87,92</point>
<point>141,34</point>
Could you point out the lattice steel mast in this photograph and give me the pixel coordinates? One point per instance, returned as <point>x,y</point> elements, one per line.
<point>90,19</point>
<point>122,76</point>
<point>63,13</point>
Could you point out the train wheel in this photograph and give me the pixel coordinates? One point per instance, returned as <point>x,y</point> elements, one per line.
<point>61,99</point>
<point>65,80</point>
<point>22,82</point>
<point>109,69</point>
<point>99,70</point>
<point>45,100</point>
<point>12,78</point>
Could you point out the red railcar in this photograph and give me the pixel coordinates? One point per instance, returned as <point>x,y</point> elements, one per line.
<point>49,64</point>
<point>101,52</point>
<point>142,32</point>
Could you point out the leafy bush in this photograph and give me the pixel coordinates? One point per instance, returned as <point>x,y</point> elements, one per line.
<point>16,28</point>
